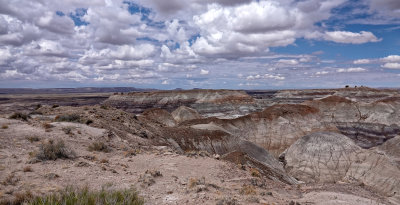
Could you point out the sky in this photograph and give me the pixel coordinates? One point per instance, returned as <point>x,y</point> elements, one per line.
<point>168,44</point>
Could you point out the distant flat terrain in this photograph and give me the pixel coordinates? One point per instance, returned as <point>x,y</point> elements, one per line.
<point>21,102</point>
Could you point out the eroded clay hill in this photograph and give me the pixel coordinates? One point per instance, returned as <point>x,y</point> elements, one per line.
<point>331,157</point>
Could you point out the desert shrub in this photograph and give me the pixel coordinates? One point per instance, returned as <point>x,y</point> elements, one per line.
<point>83,197</point>
<point>36,112</point>
<point>19,116</point>
<point>67,130</point>
<point>4,127</point>
<point>248,190</point>
<point>11,179</point>
<point>33,139</point>
<point>227,201</point>
<point>54,150</point>
<point>47,125</point>
<point>104,161</point>
<point>193,182</point>
<point>68,118</point>
<point>254,172</point>
<point>88,122</point>
<point>55,106</point>
<point>28,169</point>
<point>38,106</point>
<point>99,147</point>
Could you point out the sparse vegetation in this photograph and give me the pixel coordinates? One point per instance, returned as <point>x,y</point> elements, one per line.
<point>36,112</point>
<point>4,127</point>
<point>154,173</point>
<point>105,107</point>
<point>11,179</point>
<point>148,178</point>
<point>99,147</point>
<point>28,169</point>
<point>54,150</point>
<point>228,201</point>
<point>47,125</point>
<point>193,182</point>
<point>82,197</point>
<point>68,118</point>
<point>67,130</point>
<point>55,106</point>
<point>254,172</point>
<point>38,106</point>
<point>88,122</point>
<point>19,116</point>
<point>104,160</point>
<point>248,190</point>
<point>33,139</point>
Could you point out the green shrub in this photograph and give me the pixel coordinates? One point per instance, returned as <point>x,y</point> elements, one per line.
<point>68,118</point>
<point>98,146</point>
<point>19,116</point>
<point>83,197</point>
<point>54,150</point>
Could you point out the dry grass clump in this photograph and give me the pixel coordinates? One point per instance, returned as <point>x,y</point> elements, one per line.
<point>254,172</point>
<point>88,122</point>
<point>68,118</point>
<point>82,197</point>
<point>193,182</point>
<point>47,126</point>
<point>248,190</point>
<point>11,179</point>
<point>99,147</point>
<point>19,116</point>
<point>67,130</point>
<point>4,127</point>
<point>33,139</point>
<point>228,201</point>
<point>104,161</point>
<point>54,150</point>
<point>28,169</point>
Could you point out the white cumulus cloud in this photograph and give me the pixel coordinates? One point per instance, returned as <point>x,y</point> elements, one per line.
<point>204,72</point>
<point>391,58</point>
<point>351,70</point>
<point>351,37</point>
<point>362,61</point>
<point>391,65</point>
